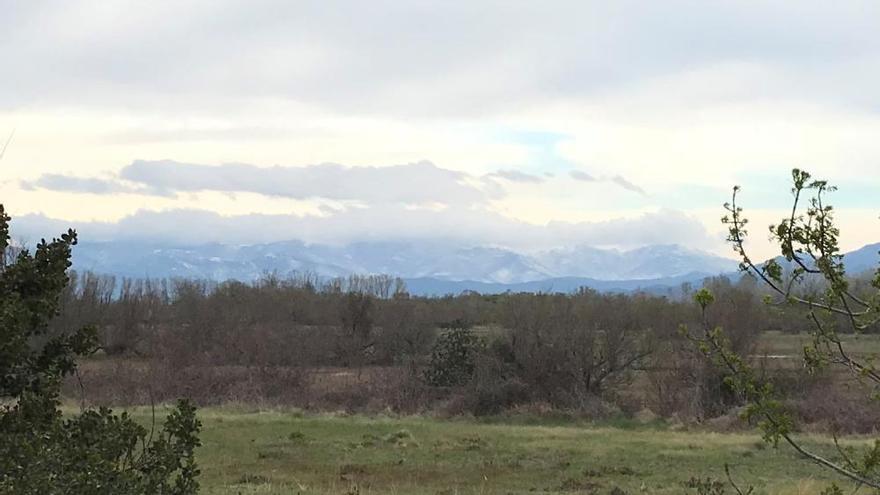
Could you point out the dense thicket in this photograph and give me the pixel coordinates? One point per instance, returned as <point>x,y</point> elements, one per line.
<point>364,343</point>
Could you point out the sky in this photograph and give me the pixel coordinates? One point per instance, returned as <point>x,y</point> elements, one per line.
<point>522,124</point>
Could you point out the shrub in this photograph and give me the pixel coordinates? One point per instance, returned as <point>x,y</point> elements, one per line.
<point>453,358</point>
<point>488,399</point>
<point>97,452</point>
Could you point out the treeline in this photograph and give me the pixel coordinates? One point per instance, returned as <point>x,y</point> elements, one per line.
<point>364,343</point>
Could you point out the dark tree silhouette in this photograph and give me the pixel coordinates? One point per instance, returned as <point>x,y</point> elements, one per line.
<point>96,452</point>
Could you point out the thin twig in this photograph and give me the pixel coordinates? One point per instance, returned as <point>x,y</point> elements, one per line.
<point>733,483</point>
<point>82,390</point>
<point>8,140</point>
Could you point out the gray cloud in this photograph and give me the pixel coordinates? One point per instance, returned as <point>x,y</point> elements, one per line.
<point>516,176</point>
<point>583,176</point>
<point>413,183</point>
<point>617,180</point>
<point>384,56</point>
<point>410,183</point>
<point>629,186</point>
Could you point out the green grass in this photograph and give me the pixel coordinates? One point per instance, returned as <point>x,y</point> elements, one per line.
<point>783,344</point>
<point>286,452</point>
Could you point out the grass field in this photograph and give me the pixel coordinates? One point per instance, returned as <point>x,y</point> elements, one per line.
<point>783,344</point>
<point>278,452</point>
<point>286,453</point>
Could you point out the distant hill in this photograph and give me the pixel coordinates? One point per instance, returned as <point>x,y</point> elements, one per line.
<point>428,267</point>
<point>437,287</point>
<point>862,260</point>
<point>649,262</point>
<point>414,260</point>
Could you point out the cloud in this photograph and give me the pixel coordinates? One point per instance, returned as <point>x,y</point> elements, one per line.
<point>473,58</point>
<point>413,183</point>
<point>410,183</point>
<point>516,176</point>
<point>420,184</point>
<point>583,176</point>
<point>469,226</point>
<point>617,179</point>
<point>66,183</point>
<point>483,85</point>
<point>189,134</point>
<point>629,186</point>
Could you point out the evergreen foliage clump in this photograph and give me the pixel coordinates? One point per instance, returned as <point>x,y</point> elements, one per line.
<point>45,452</point>
<point>453,357</point>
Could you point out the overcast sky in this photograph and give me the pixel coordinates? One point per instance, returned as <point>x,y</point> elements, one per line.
<point>522,124</point>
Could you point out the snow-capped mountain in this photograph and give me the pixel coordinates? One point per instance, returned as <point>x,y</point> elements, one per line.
<point>429,268</point>
<point>417,259</point>
<point>650,262</point>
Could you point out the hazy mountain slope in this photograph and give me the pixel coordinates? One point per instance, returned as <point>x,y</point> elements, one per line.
<point>220,262</point>
<point>429,267</point>
<point>649,262</point>
<point>437,287</point>
<point>864,259</point>
<point>420,259</point>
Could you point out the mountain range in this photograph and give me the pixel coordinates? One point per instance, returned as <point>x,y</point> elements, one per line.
<point>862,260</point>
<point>429,268</point>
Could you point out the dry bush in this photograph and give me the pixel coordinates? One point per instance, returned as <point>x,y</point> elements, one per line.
<point>129,382</point>
<point>830,406</point>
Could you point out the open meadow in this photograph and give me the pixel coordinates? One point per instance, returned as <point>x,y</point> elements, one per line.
<point>288,452</point>
<point>791,345</point>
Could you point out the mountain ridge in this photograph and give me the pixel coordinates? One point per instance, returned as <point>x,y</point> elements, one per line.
<point>405,259</point>
<point>429,268</point>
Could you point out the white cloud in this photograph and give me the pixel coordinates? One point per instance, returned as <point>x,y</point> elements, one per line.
<point>515,176</point>
<point>66,183</point>
<point>472,226</point>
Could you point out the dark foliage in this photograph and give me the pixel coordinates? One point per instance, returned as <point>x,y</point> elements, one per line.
<point>97,452</point>
<point>453,357</point>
